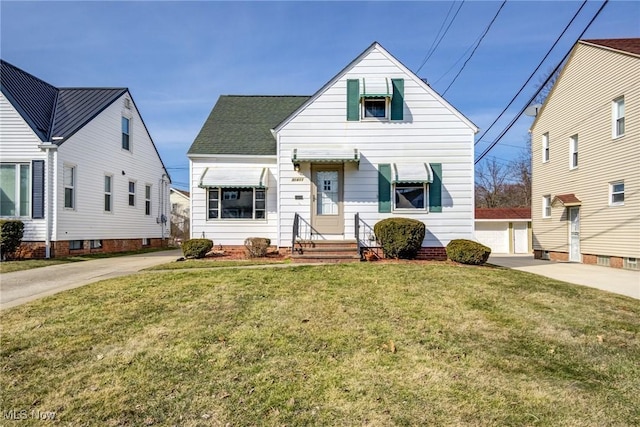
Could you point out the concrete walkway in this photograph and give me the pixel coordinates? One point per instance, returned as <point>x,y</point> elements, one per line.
<point>616,280</point>
<point>20,287</point>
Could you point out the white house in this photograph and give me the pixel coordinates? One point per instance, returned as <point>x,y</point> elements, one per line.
<point>374,142</point>
<point>79,168</point>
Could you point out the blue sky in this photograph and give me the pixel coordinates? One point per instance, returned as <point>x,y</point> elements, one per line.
<point>178,57</point>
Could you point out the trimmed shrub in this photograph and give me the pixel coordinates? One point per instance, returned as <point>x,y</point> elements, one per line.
<point>256,247</point>
<point>11,231</point>
<point>400,237</point>
<point>468,252</point>
<point>196,248</point>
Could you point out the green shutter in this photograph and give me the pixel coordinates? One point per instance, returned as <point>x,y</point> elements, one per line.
<point>384,188</point>
<point>435,188</point>
<point>353,100</point>
<point>397,101</point>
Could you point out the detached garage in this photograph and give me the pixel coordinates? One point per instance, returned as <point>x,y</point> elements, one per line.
<point>504,230</point>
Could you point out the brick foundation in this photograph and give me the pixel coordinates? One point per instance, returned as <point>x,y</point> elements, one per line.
<point>614,261</point>
<point>33,250</point>
<point>432,253</point>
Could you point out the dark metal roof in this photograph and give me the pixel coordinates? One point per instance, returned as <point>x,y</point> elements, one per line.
<point>33,98</point>
<point>76,107</point>
<point>51,111</point>
<point>241,125</point>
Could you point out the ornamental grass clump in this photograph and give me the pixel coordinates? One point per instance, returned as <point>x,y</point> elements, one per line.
<point>196,248</point>
<point>467,252</point>
<point>400,237</point>
<point>256,247</point>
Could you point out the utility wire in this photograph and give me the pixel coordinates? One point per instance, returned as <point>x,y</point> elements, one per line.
<point>474,50</point>
<point>510,125</point>
<point>433,48</point>
<point>534,72</point>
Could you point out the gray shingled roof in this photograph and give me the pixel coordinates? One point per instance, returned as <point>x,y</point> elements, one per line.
<point>51,111</point>
<point>242,124</point>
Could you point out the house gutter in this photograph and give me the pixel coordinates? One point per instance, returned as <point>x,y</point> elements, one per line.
<point>49,148</point>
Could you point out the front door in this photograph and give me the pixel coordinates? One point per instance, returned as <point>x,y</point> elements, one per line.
<point>574,235</point>
<point>327,216</point>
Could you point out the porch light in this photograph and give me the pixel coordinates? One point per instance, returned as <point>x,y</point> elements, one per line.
<point>296,167</point>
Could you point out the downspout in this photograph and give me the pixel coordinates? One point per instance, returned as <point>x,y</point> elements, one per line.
<point>162,212</point>
<point>49,148</point>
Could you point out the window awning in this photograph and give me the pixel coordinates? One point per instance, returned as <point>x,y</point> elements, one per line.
<point>566,200</point>
<point>235,177</point>
<point>375,87</point>
<point>326,156</point>
<point>411,173</point>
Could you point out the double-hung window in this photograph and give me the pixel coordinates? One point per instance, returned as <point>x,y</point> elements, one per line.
<point>573,152</point>
<point>618,117</point>
<point>375,98</point>
<point>616,191</point>
<point>108,204</point>
<point>15,183</point>
<point>236,203</point>
<point>546,206</point>
<point>132,193</point>
<point>147,200</point>
<point>126,133</point>
<point>545,147</point>
<point>69,178</point>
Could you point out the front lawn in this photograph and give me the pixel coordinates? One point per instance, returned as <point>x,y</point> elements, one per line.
<point>354,344</point>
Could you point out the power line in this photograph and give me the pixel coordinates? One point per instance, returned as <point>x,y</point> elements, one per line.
<point>433,48</point>
<point>474,50</point>
<point>532,74</point>
<point>510,125</point>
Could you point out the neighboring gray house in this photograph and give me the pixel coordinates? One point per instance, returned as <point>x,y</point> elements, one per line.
<point>374,142</point>
<point>79,168</point>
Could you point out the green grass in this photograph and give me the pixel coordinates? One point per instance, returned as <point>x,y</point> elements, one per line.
<point>215,263</point>
<point>28,264</point>
<point>355,344</point>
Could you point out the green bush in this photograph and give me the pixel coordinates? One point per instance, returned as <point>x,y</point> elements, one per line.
<point>196,248</point>
<point>400,237</point>
<point>256,247</point>
<point>468,252</point>
<point>11,231</point>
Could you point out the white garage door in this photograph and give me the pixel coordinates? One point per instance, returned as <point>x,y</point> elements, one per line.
<point>494,235</point>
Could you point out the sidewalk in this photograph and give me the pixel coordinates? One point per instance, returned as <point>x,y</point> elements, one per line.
<point>23,286</point>
<point>616,280</point>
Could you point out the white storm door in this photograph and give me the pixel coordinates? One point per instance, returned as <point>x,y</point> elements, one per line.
<point>574,235</point>
<point>327,216</point>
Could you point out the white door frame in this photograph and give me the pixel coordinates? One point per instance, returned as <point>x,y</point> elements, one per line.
<point>573,214</point>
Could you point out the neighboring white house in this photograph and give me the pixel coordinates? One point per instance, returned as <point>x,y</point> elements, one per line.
<point>586,161</point>
<point>504,230</point>
<point>79,168</point>
<point>180,212</point>
<point>375,142</point>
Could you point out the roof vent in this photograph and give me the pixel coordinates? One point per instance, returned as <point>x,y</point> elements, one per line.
<point>127,103</point>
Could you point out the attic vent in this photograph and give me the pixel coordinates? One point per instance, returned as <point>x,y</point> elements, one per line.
<point>127,103</point>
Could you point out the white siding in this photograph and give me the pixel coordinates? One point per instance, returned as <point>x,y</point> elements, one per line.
<point>19,144</point>
<point>430,131</point>
<point>231,231</point>
<point>602,159</point>
<point>96,151</point>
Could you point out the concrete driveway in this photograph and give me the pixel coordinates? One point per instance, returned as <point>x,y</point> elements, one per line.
<point>22,286</point>
<point>616,280</point>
